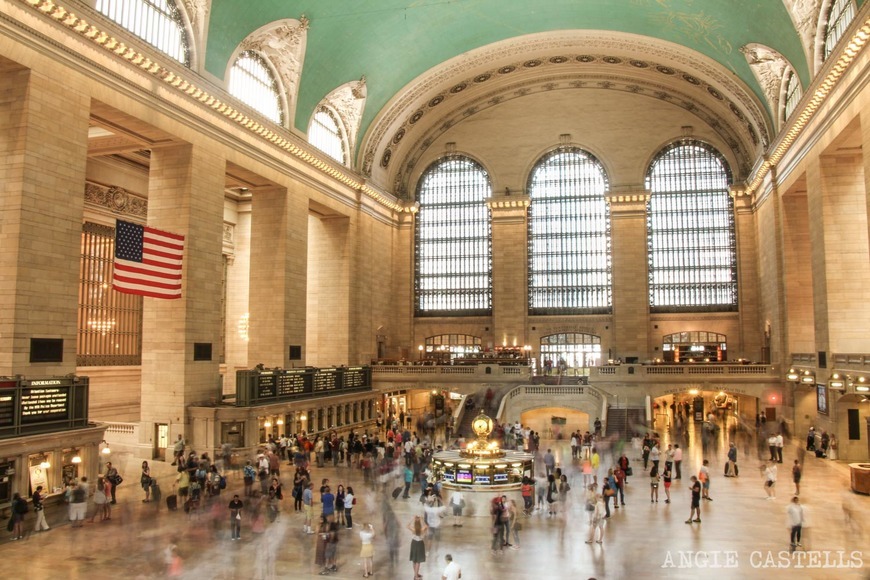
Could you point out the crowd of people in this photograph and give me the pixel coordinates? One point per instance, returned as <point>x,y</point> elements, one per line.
<point>396,459</point>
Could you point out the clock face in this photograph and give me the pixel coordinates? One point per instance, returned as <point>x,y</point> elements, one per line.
<point>482,425</point>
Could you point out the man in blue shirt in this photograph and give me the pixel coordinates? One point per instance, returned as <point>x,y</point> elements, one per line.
<point>328,501</point>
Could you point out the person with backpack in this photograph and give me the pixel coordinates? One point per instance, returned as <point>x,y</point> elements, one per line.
<point>16,520</point>
<point>113,477</point>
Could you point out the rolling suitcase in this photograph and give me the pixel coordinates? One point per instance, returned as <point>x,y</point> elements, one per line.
<point>172,502</point>
<point>396,492</point>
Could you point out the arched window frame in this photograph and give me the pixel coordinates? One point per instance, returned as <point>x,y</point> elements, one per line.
<point>792,92</point>
<point>453,240</point>
<point>569,258</point>
<point>157,22</point>
<point>270,89</point>
<point>837,16</point>
<point>691,236</point>
<point>577,349</point>
<point>336,147</point>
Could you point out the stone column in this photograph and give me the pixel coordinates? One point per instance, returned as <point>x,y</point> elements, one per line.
<point>751,343</point>
<point>837,202</point>
<point>509,268</point>
<point>329,292</point>
<point>279,258</point>
<point>43,157</point>
<point>186,196</point>
<point>630,276</point>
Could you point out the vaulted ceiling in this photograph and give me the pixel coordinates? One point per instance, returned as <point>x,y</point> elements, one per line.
<point>432,64</point>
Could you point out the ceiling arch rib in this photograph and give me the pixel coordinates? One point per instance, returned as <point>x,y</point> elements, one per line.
<point>460,88</point>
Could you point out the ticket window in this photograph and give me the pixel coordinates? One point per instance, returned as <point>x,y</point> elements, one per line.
<point>69,467</point>
<point>7,471</point>
<point>39,469</point>
<point>233,433</point>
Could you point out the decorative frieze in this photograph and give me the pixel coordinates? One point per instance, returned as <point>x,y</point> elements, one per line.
<point>117,200</point>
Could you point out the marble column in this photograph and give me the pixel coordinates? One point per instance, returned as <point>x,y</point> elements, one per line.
<point>630,276</point>
<point>186,196</point>
<point>43,158</point>
<point>278,284</point>
<point>837,204</point>
<point>509,269</point>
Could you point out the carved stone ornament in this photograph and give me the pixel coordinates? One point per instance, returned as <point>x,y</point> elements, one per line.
<point>197,13</point>
<point>769,67</point>
<point>283,43</point>
<point>116,199</point>
<point>348,102</point>
<point>805,16</point>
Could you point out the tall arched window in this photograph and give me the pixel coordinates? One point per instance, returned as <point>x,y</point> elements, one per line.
<point>252,82</point>
<point>325,133</point>
<point>453,266</point>
<point>793,94</point>
<point>840,15</point>
<point>569,235</point>
<point>690,228</point>
<point>157,22</point>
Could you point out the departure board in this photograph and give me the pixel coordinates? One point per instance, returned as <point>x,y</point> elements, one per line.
<point>292,382</point>
<point>325,380</point>
<point>266,386</point>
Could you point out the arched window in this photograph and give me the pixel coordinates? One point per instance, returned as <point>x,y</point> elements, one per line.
<point>453,266</point>
<point>157,22</point>
<point>251,81</point>
<point>793,94</point>
<point>443,348</point>
<point>569,235</point>
<point>690,227</point>
<point>840,15</point>
<point>575,348</point>
<point>694,346</point>
<point>325,133</point>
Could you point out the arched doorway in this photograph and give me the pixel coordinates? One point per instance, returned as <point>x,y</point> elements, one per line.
<point>576,349</point>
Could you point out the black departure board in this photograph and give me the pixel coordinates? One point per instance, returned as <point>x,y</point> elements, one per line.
<point>264,386</point>
<point>44,403</point>
<point>292,382</point>
<point>354,377</point>
<point>325,380</point>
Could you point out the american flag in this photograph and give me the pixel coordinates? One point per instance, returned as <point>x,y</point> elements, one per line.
<point>147,261</point>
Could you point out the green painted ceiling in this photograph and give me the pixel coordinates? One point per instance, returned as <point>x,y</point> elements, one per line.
<point>393,41</point>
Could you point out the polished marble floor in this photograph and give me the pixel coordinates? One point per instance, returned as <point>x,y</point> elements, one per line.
<point>742,535</point>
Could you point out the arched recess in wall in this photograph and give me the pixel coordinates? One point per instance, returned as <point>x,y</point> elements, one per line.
<point>337,134</point>
<point>282,44</point>
<point>695,346</point>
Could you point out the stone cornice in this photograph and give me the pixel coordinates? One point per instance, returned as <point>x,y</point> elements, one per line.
<point>187,83</point>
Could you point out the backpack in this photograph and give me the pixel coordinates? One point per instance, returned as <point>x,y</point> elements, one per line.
<point>222,482</point>
<point>78,494</point>
<point>21,507</point>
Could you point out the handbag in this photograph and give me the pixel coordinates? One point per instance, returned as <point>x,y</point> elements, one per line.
<point>609,492</point>
<point>629,471</point>
<point>117,480</point>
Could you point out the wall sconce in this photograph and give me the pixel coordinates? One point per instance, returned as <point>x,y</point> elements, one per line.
<point>808,378</point>
<point>861,385</point>
<point>836,382</point>
<point>279,422</point>
<point>302,417</point>
<point>77,457</point>
<point>792,375</point>
<point>267,424</point>
<point>44,464</point>
<point>106,450</point>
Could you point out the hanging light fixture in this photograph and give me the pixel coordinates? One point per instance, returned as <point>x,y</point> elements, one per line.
<point>44,464</point>
<point>77,457</point>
